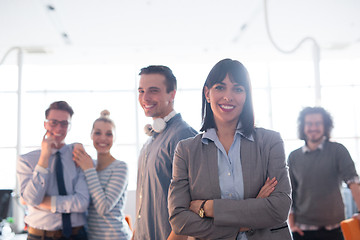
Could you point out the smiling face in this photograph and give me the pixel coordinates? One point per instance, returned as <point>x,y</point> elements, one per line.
<point>102,136</point>
<point>227,100</point>
<point>57,125</point>
<point>314,128</point>
<point>153,97</point>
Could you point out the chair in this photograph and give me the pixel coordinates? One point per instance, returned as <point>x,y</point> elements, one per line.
<point>128,220</point>
<point>351,229</point>
<point>5,197</point>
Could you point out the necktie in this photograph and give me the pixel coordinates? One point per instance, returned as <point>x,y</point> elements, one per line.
<point>66,222</point>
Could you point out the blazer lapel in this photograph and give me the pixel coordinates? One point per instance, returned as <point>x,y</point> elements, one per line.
<point>246,154</point>
<point>211,157</point>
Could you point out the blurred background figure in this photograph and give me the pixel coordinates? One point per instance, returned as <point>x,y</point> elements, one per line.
<point>317,171</point>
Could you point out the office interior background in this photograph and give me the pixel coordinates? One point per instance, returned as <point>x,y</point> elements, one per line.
<point>298,53</point>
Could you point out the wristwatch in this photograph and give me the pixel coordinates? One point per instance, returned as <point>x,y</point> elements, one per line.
<point>201,210</point>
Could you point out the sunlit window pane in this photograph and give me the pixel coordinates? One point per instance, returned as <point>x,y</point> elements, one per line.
<point>343,103</point>
<point>9,78</point>
<point>291,74</point>
<point>8,168</point>
<point>188,103</point>
<point>129,155</point>
<point>281,89</point>
<point>340,72</point>
<point>80,77</point>
<point>286,105</point>
<point>259,74</point>
<point>262,107</point>
<point>8,119</point>
<point>191,76</point>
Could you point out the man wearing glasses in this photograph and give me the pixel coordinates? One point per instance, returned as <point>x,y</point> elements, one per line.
<point>316,171</point>
<point>51,185</point>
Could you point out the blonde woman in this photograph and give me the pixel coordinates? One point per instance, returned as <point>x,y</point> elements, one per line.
<point>107,181</point>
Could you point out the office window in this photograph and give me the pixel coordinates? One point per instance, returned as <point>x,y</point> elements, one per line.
<point>280,90</point>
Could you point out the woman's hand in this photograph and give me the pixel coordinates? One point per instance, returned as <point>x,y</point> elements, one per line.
<point>81,158</point>
<point>195,206</point>
<point>265,191</point>
<point>208,207</point>
<point>268,188</point>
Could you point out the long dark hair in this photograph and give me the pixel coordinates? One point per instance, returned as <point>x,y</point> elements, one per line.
<point>237,73</point>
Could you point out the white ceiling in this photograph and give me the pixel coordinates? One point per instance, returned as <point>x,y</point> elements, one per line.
<point>112,31</point>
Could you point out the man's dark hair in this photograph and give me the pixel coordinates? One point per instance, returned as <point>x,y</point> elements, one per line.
<point>327,119</point>
<point>237,74</point>
<point>171,84</point>
<point>59,105</point>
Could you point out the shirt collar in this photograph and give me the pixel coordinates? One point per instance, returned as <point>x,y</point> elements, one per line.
<point>61,150</point>
<point>306,149</point>
<point>211,135</point>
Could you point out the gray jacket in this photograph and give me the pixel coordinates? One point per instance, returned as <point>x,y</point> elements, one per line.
<point>195,176</point>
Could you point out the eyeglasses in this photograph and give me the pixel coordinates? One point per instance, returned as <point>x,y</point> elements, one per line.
<point>54,123</point>
<point>316,124</point>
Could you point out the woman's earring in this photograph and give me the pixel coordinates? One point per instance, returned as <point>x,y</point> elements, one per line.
<point>208,100</point>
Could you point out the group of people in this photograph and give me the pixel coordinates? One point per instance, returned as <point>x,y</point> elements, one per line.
<point>230,181</point>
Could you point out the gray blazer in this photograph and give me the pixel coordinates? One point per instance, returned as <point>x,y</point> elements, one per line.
<point>195,176</point>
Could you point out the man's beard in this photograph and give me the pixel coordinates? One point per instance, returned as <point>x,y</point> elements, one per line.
<point>315,140</point>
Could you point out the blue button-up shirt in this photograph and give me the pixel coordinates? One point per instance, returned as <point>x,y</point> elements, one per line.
<point>37,182</point>
<point>230,169</point>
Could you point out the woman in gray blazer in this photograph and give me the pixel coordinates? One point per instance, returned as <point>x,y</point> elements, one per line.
<point>218,175</point>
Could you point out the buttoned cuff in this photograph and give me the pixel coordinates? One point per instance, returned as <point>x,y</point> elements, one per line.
<point>41,169</point>
<point>53,204</point>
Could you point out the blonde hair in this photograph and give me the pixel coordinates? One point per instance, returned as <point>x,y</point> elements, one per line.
<point>104,116</point>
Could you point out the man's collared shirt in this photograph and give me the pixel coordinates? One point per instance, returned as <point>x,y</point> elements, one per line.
<point>37,182</point>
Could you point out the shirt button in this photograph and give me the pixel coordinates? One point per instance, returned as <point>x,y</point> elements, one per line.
<point>139,216</point>
<point>140,196</point>
<point>229,174</point>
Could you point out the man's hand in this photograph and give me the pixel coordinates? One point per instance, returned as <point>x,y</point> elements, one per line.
<point>297,229</point>
<point>292,225</point>
<point>46,144</point>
